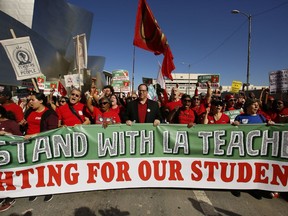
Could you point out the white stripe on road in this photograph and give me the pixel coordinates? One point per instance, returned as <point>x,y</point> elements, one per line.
<point>205,203</point>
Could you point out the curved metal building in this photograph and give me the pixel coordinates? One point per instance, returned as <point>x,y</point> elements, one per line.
<point>51,26</point>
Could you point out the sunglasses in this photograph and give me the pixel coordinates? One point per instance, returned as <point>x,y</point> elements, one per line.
<point>62,101</point>
<point>134,98</point>
<point>188,101</point>
<point>217,104</point>
<point>279,103</point>
<point>103,103</point>
<point>196,99</point>
<point>232,100</point>
<point>76,95</point>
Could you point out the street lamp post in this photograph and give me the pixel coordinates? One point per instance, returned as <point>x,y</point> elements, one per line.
<point>249,17</point>
<point>189,79</point>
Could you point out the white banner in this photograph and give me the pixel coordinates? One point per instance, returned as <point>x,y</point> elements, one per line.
<point>22,57</point>
<point>80,51</point>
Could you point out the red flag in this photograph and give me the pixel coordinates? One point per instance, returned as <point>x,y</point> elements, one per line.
<point>149,36</point>
<point>61,89</point>
<point>168,64</point>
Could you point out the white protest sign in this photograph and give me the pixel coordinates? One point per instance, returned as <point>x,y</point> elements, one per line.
<point>73,80</point>
<point>22,57</point>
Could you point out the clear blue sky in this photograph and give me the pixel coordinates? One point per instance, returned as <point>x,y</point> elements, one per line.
<point>202,33</point>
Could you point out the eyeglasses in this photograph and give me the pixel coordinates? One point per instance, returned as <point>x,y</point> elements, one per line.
<point>196,99</point>
<point>76,95</point>
<point>279,103</point>
<point>232,100</point>
<point>103,103</point>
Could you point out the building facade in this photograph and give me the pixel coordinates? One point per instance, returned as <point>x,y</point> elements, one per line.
<point>186,83</point>
<point>51,26</point>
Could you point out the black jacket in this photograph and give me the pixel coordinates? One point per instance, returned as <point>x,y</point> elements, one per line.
<point>152,113</point>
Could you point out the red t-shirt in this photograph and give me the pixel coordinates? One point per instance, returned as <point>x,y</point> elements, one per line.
<point>16,109</point>
<point>34,120</point>
<point>224,119</point>
<point>171,105</point>
<point>67,117</point>
<point>186,116</point>
<point>199,109</point>
<point>110,117</point>
<point>275,116</point>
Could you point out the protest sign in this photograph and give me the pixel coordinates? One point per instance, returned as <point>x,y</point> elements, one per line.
<point>278,81</point>
<point>22,57</point>
<point>233,113</point>
<point>120,81</point>
<point>236,86</point>
<point>41,82</point>
<point>89,157</point>
<point>73,80</point>
<point>120,74</point>
<point>213,79</point>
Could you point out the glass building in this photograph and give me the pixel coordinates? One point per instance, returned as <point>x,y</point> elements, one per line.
<point>51,26</point>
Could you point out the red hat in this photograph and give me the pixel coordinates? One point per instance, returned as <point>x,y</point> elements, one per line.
<point>271,97</point>
<point>228,97</point>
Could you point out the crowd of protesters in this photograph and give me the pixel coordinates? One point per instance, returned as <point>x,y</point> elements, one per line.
<point>38,113</point>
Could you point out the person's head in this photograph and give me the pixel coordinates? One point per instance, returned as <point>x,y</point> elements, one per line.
<point>108,90</point>
<point>270,101</point>
<point>202,96</point>
<point>175,93</point>
<point>104,104</point>
<point>142,92</point>
<point>251,106</point>
<point>216,106</point>
<point>63,100</point>
<point>230,100</point>
<point>278,105</point>
<point>38,101</point>
<point>5,96</point>
<point>186,101</point>
<point>134,96</point>
<point>75,96</point>
<point>114,100</point>
<point>196,100</point>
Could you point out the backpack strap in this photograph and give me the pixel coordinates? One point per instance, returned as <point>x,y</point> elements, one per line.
<point>45,115</point>
<point>75,113</point>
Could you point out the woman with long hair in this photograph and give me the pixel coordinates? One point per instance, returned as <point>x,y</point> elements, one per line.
<point>39,119</point>
<point>214,113</point>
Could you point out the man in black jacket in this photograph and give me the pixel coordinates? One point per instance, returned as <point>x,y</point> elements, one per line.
<point>143,110</point>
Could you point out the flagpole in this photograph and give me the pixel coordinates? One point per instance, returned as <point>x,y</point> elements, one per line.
<point>133,70</point>
<point>78,61</point>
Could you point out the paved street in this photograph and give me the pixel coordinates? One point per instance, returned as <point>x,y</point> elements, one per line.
<point>154,202</point>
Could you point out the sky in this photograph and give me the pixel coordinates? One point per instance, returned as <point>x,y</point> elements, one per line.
<point>204,37</point>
